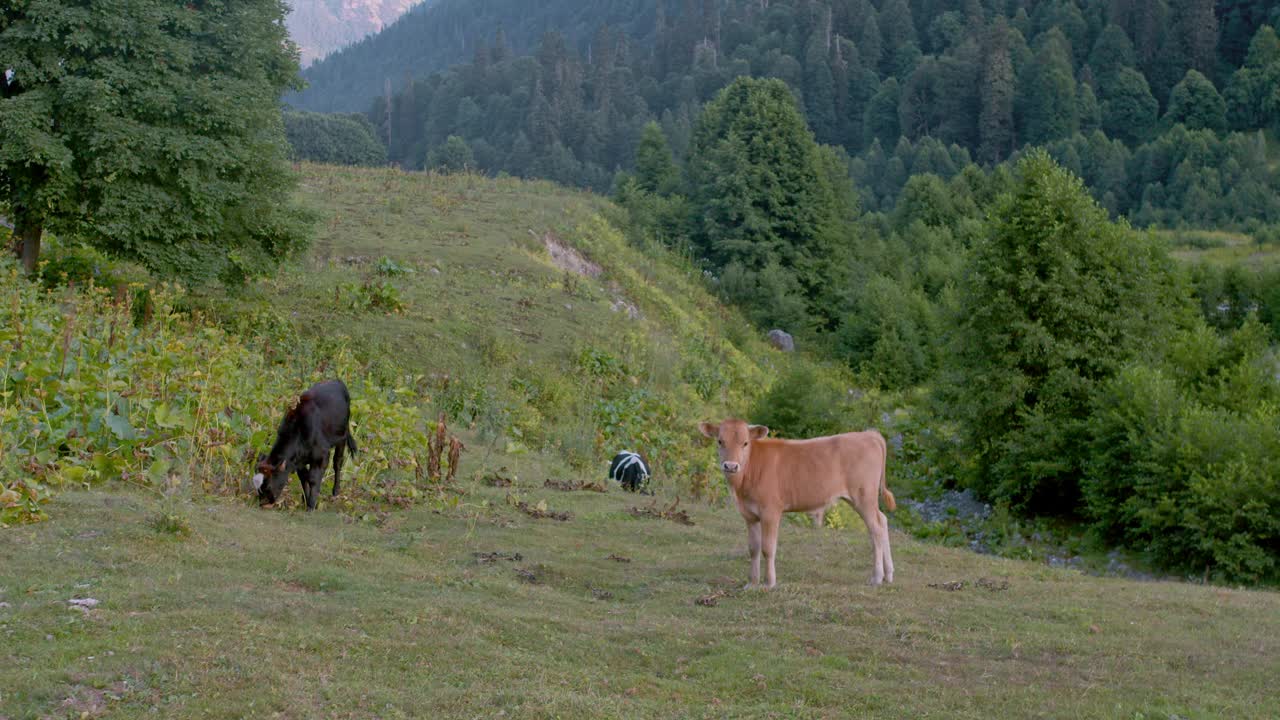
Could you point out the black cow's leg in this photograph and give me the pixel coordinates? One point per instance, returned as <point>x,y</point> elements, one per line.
<point>339,451</point>
<point>304,474</point>
<point>317,477</point>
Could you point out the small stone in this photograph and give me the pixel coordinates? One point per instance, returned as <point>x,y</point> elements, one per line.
<point>782,340</point>
<point>83,602</point>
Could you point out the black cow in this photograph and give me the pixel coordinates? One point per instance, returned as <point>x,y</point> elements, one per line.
<point>630,471</point>
<point>319,421</point>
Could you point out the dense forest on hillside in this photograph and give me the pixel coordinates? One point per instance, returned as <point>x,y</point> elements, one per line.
<point>439,35</point>
<point>1157,105</point>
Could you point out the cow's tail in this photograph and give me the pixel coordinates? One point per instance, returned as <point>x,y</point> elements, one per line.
<point>890,503</point>
<point>351,443</point>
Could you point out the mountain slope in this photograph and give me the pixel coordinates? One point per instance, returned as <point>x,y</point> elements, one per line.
<point>322,26</point>
<point>447,32</point>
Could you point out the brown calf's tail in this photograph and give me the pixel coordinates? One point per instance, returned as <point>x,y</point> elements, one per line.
<point>890,503</point>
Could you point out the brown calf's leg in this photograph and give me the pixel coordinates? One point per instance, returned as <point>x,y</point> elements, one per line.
<point>769,537</point>
<point>819,517</point>
<point>884,543</point>
<point>871,517</point>
<point>753,545</point>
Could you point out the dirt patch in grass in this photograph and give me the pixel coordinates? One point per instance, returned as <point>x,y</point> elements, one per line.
<point>982,582</point>
<point>87,702</point>
<point>668,513</point>
<point>618,558</point>
<point>570,486</point>
<point>496,555</point>
<point>567,258</point>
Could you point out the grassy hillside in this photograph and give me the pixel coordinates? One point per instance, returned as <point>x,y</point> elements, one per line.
<point>478,290</point>
<point>292,615</point>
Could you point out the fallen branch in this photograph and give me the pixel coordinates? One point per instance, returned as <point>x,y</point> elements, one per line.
<point>669,513</point>
<point>570,486</point>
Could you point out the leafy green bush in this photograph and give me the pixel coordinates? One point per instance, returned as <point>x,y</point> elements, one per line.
<point>1185,458</point>
<point>373,294</point>
<point>805,402</point>
<point>340,139</point>
<point>391,268</point>
<point>1056,299</point>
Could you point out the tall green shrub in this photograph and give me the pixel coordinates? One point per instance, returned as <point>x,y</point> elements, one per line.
<point>1055,300</point>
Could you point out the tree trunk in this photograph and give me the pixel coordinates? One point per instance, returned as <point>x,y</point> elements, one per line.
<point>27,243</point>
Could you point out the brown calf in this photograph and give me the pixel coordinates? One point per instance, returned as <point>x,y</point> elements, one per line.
<point>770,477</point>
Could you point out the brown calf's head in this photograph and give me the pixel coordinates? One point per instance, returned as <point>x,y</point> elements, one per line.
<point>733,438</point>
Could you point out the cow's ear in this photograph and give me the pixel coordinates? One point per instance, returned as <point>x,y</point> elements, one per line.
<point>709,429</point>
<point>758,431</point>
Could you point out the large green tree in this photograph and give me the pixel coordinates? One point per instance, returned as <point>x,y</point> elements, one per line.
<point>1056,298</point>
<point>1195,102</point>
<point>1128,107</point>
<point>150,129</point>
<point>763,193</point>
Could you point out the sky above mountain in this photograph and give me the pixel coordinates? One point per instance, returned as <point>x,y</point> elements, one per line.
<point>322,26</point>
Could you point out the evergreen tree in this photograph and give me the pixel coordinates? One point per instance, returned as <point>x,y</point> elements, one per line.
<point>1253,96</point>
<point>1112,51</point>
<point>819,89</point>
<point>1128,107</point>
<point>178,163</point>
<point>1195,102</point>
<point>995,124</point>
<point>1049,110</point>
<point>1090,111</point>
<point>656,171</point>
<point>897,28</point>
<point>881,119</point>
<point>870,44</point>
<point>760,194</point>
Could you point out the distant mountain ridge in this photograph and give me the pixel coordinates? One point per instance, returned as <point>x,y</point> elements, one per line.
<point>439,34</point>
<point>323,26</point>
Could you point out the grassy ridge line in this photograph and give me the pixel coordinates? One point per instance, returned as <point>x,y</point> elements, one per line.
<point>294,615</point>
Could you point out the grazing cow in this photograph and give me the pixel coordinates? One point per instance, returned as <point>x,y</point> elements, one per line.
<point>770,477</point>
<point>319,421</point>
<point>629,470</point>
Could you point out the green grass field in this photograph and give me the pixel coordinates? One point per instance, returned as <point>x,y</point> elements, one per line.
<point>1218,247</point>
<point>210,607</point>
<point>292,615</point>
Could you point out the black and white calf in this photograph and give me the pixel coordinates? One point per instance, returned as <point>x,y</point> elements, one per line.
<point>317,423</point>
<point>629,470</point>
